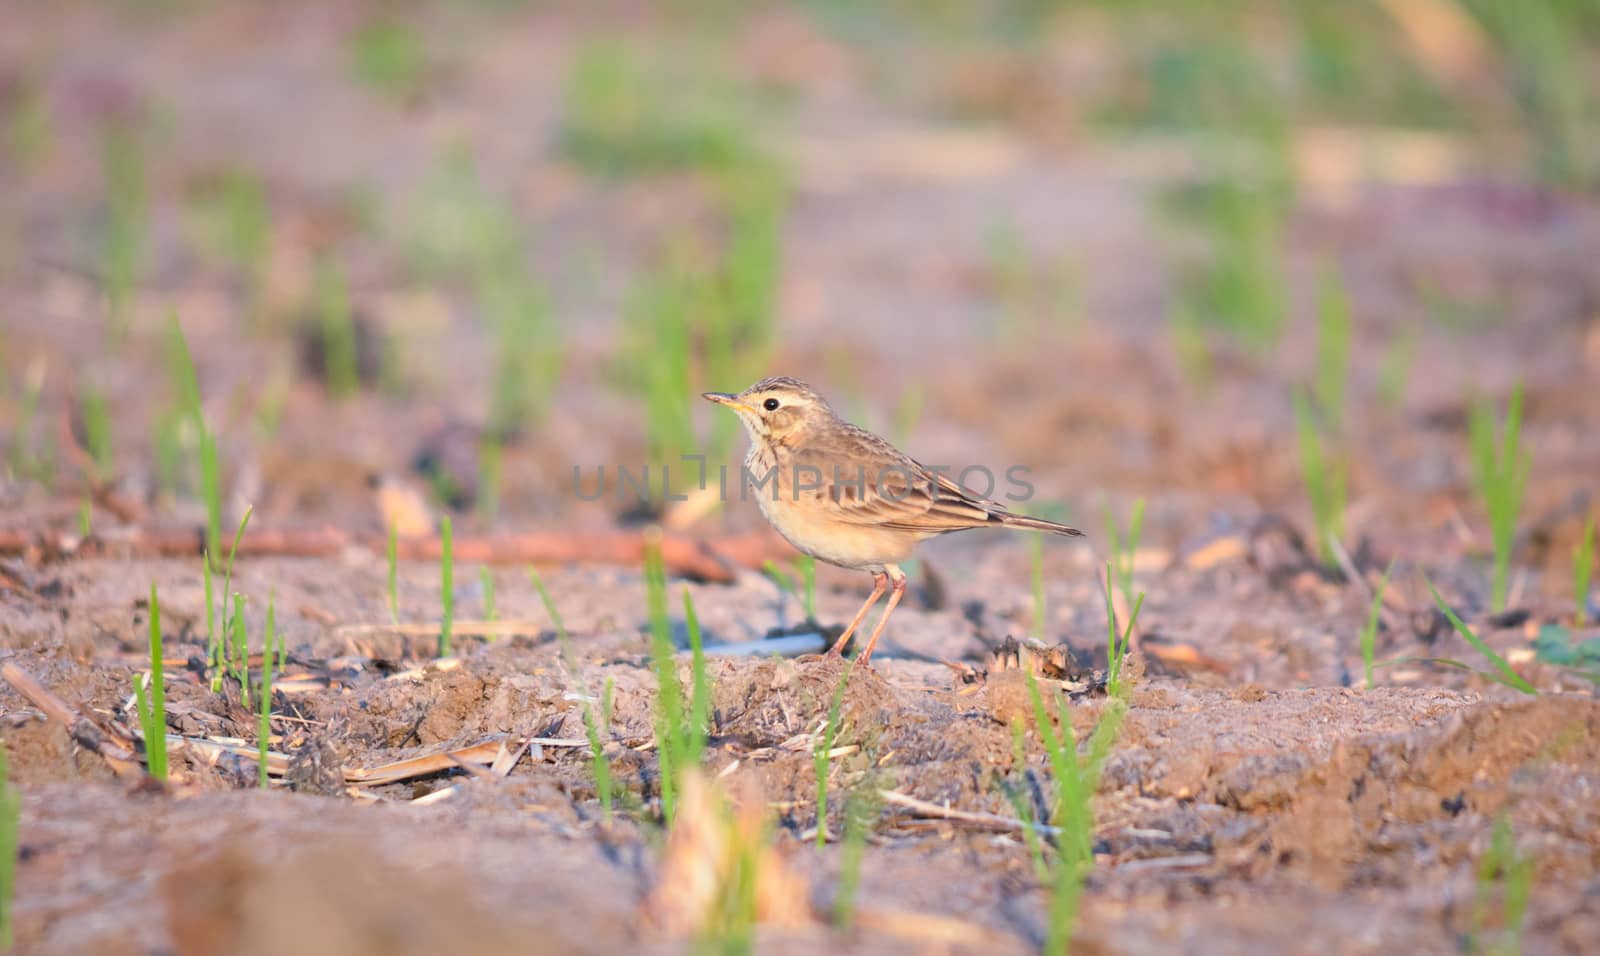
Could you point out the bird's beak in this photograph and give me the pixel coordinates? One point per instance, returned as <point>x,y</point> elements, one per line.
<point>723,398</point>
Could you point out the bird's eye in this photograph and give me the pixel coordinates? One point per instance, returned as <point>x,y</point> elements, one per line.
<point>770,404</point>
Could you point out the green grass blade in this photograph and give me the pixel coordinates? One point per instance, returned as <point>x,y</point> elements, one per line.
<point>669,694</point>
<point>1062,764</point>
<point>1582,568</point>
<point>700,684</point>
<point>486,584</point>
<point>214,649</point>
<point>240,654</point>
<point>1324,479</point>
<point>1036,560</point>
<point>594,725</point>
<point>600,764</point>
<point>1118,640</point>
<point>549,606</point>
<point>264,730</point>
<point>1369,633</point>
<point>779,576</point>
<point>858,813</point>
<point>808,576</point>
<point>225,658</point>
<point>447,584</point>
<point>393,554</point>
<point>1500,471</point>
<point>820,759</point>
<point>1503,672</point>
<point>1333,347</point>
<point>1023,806</point>
<point>155,731</point>
<point>10,817</point>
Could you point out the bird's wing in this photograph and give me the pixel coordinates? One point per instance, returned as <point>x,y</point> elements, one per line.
<point>870,482</point>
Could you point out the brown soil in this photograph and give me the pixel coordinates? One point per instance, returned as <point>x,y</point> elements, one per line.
<point>1258,800</point>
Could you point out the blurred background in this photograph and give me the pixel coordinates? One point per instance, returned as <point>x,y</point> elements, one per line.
<point>1198,252</point>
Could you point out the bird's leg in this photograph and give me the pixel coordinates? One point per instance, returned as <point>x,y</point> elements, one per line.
<point>899,579</point>
<point>880,583</point>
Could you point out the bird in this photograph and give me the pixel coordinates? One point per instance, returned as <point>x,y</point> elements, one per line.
<point>844,496</point>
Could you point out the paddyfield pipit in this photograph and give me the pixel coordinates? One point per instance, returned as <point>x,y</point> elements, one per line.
<point>845,496</point>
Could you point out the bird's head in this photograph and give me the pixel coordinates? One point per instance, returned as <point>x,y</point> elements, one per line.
<point>776,409</point>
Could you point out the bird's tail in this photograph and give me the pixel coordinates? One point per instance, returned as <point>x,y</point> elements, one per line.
<point>1038,524</point>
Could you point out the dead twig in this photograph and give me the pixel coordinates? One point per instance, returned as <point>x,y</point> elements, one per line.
<point>983,821</point>
<point>118,751</point>
<point>704,559</point>
<point>211,750</point>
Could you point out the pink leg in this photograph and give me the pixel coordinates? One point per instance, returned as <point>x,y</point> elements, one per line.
<point>880,583</point>
<point>894,598</point>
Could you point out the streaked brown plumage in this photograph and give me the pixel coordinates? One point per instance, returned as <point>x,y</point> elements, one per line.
<point>845,496</point>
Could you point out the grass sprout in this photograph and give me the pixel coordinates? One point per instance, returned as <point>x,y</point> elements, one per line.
<point>860,810</point>
<point>806,565</point>
<point>152,705</point>
<point>460,230</point>
<point>389,57</point>
<point>1125,546</point>
<point>234,223</point>
<point>447,584</point>
<point>595,726</point>
<point>1369,633</point>
<point>486,585</point>
<point>1543,45</point>
<point>1118,640</point>
<point>731,922</point>
<point>10,817</point>
<point>29,131</point>
<point>1325,479</point>
<point>97,434</point>
<point>802,583</point>
<point>1333,348</point>
<point>1020,798</point>
<point>213,646</point>
<point>181,371</point>
<point>1036,562</point>
<point>1077,776</point>
<point>1394,369</point>
<point>1190,346</point>
<point>239,649</point>
<point>1582,568</point>
<point>1503,672</point>
<point>624,116</point>
<point>336,330</point>
<point>821,752</point>
<point>392,554</point>
<point>704,317</point>
<point>21,458</point>
<point>127,202</point>
<point>701,319</point>
<point>908,411</point>
<point>1507,873</point>
<point>699,682</point>
<point>1239,289</point>
<point>217,648</point>
<point>680,722</point>
<point>270,640</point>
<point>1500,472</point>
<point>491,457</point>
